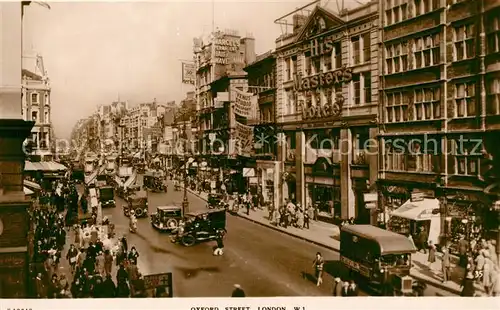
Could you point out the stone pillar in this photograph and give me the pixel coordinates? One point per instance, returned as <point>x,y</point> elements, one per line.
<point>300,155</point>
<point>277,181</point>
<point>14,221</point>
<point>347,197</point>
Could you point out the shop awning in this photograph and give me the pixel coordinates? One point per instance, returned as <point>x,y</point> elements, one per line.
<point>43,166</point>
<point>28,191</point>
<point>32,185</point>
<point>418,210</point>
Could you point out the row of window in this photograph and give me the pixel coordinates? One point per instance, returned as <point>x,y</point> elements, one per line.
<point>410,156</point>
<point>425,103</point>
<point>399,10</point>
<point>35,98</point>
<point>36,117</point>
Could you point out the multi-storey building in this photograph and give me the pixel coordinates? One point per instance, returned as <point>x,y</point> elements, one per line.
<point>262,83</point>
<point>327,108</point>
<point>220,79</point>
<point>440,110</point>
<point>36,106</point>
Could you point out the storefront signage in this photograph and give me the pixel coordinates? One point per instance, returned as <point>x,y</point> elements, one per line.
<point>343,75</point>
<point>12,260</point>
<point>321,46</point>
<point>326,110</point>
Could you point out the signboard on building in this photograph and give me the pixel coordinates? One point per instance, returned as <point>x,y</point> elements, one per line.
<point>323,79</point>
<point>188,73</point>
<point>225,48</point>
<point>159,280</point>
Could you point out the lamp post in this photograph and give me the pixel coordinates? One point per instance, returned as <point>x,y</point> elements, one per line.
<point>187,160</point>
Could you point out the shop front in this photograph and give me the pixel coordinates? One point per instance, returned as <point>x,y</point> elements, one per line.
<point>268,173</point>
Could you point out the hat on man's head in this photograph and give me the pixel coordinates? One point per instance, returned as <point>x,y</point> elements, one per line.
<point>237,286</point>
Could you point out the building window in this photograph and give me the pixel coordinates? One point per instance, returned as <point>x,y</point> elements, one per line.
<point>425,6</point>
<point>317,65</point>
<point>337,47</point>
<point>46,117</point>
<point>426,51</point>
<point>35,98</point>
<point>396,11</point>
<point>465,103</point>
<point>34,116</point>
<point>294,66</point>
<point>493,91</point>
<point>493,34</point>
<point>356,88</point>
<point>290,102</point>
<point>355,51</point>
<point>367,86</point>
<point>413,154</point>
<point>463,42</point>
<point>397,107</point>
<point>327,62</point>
<point>307,66</point>
<point>427,104</point>
<point>288,69</point>
<point>397,58</point>
<point>366,41</point>
<point>467,156</point>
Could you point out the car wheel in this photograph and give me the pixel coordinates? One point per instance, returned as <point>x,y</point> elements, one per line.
<point>172,223</point>
<point>188,240</point>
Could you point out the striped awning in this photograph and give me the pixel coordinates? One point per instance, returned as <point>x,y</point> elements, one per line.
<point>32,185</point>
<point>43,166</point>
<point>28,191</point>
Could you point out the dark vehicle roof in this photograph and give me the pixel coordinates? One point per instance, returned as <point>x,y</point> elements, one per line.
<point>106,187</point>
<point>389,242</point>
<point>139,195</point>
<point>198,213</point>
<point>169,208</point>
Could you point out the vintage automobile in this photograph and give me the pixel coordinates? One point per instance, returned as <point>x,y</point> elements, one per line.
<point>214,200</point>
<point>154,181</point>
<point>138,202</point>
<point>107,196</point>
<point>166,218</point>
<point>200,227</point>
<point>379,259</point>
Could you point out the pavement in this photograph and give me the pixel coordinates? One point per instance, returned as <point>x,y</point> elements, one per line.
<point>326,235</point>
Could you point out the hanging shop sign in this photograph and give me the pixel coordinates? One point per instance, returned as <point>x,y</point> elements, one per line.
<point>323,79</point>
<point>327,110</point>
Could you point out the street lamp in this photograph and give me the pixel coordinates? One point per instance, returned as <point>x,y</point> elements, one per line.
<point>188,161</point>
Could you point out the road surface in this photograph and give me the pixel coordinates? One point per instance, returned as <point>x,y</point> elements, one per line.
<point>263,261</point>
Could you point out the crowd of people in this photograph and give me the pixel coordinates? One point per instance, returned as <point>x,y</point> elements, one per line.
<point>90,257</point>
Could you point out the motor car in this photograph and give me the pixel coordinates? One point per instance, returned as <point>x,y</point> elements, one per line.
<point>214,199</point>
<point>107,196</point>
<point>201,226</point>
<point>154,181</point>
<point>166,218</point>
<point>138,202</point>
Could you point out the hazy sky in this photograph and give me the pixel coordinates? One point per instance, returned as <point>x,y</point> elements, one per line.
<point>95,51</point>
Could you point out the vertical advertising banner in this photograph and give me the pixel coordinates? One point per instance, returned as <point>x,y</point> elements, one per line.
<point>188,73</point>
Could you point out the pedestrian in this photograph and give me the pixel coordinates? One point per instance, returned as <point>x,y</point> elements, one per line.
<point>479,262</point>
<point>238,291</point>
<point>133,256</point>
<point>318,266</point>
<point>219,250</point>
<point>353,289</point>
<point>468,288</point>
<point>72,256</point>
<point>488,271</point>
<point>345,289</point>
<point>446,265</point>
<point>337,287</point>
<point>108,262</point>
<point>492,251</point>
<point>307,216</point>
<point>53,290</point>
<point>41,292</point>
<point>495,282</point>
<point>422,239</point>
<point>463,248</point>
<point>63,285</point>
<point>431,258</point>
<point>109,287</point>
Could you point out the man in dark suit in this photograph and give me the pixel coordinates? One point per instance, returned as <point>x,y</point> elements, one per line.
<point>337,287</point>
